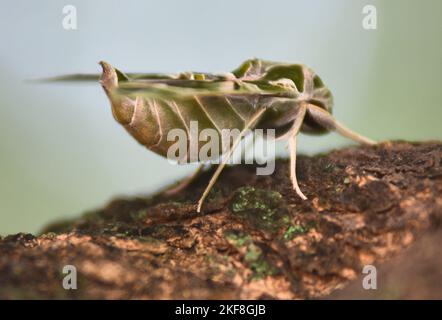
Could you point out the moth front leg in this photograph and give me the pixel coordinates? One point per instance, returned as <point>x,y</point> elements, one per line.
<point>258,114</point>
<point>292,144</point>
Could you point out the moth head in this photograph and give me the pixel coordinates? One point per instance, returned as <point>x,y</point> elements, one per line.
<point>122,107</point>
<point>321,97</point>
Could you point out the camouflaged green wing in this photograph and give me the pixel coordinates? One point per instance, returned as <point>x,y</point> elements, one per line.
<point>149,105</point>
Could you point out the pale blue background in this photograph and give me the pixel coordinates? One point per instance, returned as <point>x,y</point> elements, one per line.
<point>61,152</point>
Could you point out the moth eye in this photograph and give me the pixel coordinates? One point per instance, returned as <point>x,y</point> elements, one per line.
<point>317,82</point>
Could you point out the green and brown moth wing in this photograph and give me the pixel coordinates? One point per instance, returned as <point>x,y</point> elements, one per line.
<point>183,108</point>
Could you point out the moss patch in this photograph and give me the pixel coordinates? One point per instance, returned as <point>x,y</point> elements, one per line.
<point>253,255</point>
<point>238,239</point>
<point>264,209</point>
<point>294,230</point>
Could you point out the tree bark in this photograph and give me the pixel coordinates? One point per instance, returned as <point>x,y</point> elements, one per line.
<point>255,239</point>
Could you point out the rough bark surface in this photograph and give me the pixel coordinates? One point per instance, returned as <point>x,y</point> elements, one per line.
<point>256,239</point>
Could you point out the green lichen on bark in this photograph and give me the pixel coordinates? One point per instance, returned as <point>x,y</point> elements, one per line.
<point>252,255</point>
<point>262,208</point>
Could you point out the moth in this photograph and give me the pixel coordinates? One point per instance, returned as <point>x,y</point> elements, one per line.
<point>289,98</point>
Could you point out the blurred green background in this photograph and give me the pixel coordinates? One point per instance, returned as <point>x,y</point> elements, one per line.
<point>61,152</point>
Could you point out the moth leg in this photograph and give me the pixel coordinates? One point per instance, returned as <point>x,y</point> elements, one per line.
<point>185,182</point>
<point>228,155</point>
<point>292,144</point>
<point>327,120</point>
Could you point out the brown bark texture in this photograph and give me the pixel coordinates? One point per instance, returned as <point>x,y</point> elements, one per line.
<point>255,239</point>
